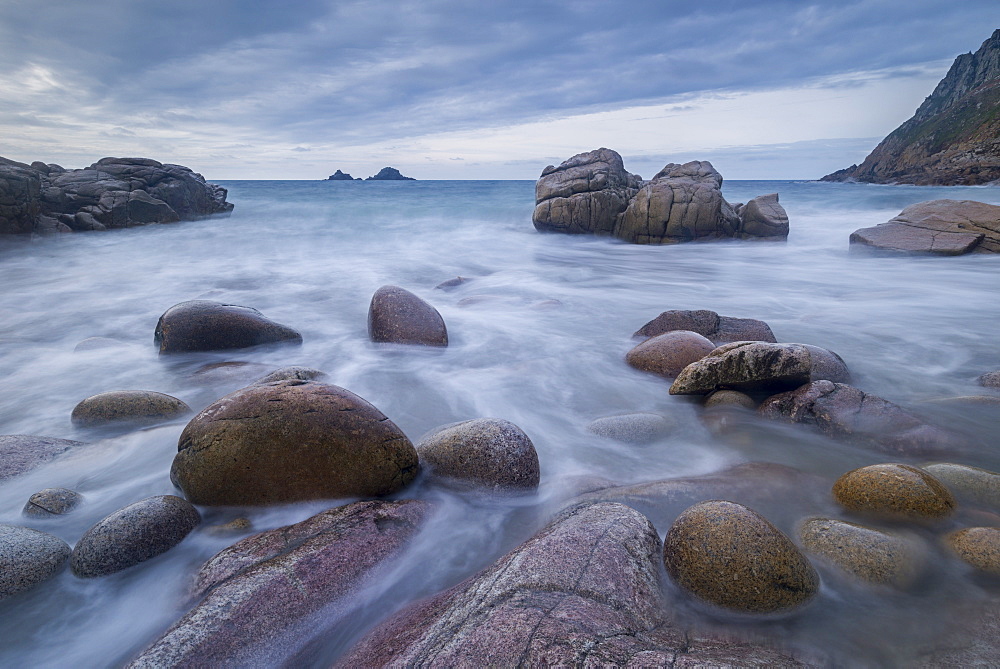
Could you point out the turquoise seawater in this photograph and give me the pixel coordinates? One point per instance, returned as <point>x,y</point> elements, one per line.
<point>538,336</point>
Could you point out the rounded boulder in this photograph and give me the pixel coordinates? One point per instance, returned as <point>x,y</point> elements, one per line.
<point>730,556</point>
<point>138,407</point>
<point>978,486</point>
<point>290,441</point>
<point>667,354</point>
<point>487,453</point>
<point>894,492</point>
<point>134,534</point>
<point>978,546</point>
<point>28,557</point>
<point>52,502</point>
<point>632,428</point>
<point>204,325</point>
<point>868,554</point>
<point>398,316</point>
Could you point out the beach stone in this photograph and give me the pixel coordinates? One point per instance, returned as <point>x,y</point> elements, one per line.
<point>261,595</point>
<point>719,329</point>
<point>583,591</point>
<point>763,218</point>
<point>138,407</point>
<point>759,367</point>
<point>204,325</point>
<point>632,428</point>
<point>52,502</point>
<point>452,283</point>
<point>730,556</point>
<point>940,227</point>
<point>868,554</point>
<point>990,379</point>
<point>722,399</point>
<point>667,354</point>
<point>292,373</point>
<point>845,412</point>
<point>27,558</point>
<point>289,441</point>
<point>236,526</point>
<point>20,453</point>
<point>978,546</point>
<point>585,194</point>
<point>972,484</point>
<point>133,534</point>
<point>894,492</point>
<point>489,453</point>
<point>398,316</point>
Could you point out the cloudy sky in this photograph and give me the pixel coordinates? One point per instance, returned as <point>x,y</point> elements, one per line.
<point>447,89</point>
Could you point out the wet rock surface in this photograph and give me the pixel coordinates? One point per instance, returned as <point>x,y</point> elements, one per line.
<point>632,428</point>
<point>730,556</point>
<point>136,407</point>
<point>667,354</point>
<point>894,492</point>
<point>28,557</point>
<point>866,553</point>
<point>398,316</point>
<point>759,367</point>
<point>729,399</point>
<point>20,453</point>
<point>203,325</point>
<point>487,453</point>
<point>977,546</point>
<point>289,441</point>
<point>52,502</point>
<point>260,593</point>
<point>845,412</point>
<point>584,591</point>
<point>971,484</point>
<point>134,534</point>
<point>292,373</point>
<point>763,218</point>
<point>940,227</point>
<point>719,329</point>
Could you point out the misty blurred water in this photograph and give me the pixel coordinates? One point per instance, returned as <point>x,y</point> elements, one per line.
<point>537,336</point>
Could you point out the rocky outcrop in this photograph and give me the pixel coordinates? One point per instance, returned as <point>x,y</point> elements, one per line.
<point>389,174</point>
<point>111,193</point>
<point>341,176</point>
<point>940,227</point>
<point>592,193</point>
<point>953,139</point>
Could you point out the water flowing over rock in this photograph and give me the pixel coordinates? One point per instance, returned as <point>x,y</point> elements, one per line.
<point>203,325</point>
<point>584,591</point>
<point>259,594</point>
<point>940,227</point>
<point>52,502</point>
<point>488,453</point>
<point>290,441</point>
<point>136,407</point>
<point>953,139</point>
<point>719,329</point>
<point>977,546</point>
<point>397,316</point>
<point>111,193</point>
<point>20,453</point>
<point>972,484</point>
<point>866,553</point>
<point>27,558</point>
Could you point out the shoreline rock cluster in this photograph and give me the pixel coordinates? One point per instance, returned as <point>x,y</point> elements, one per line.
<point>939,227</point>
<point>112,193</point>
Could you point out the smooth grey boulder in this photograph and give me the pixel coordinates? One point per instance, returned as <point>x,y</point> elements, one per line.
<point>584,591</point>
<point>397,316</point>
<point>868,554</point>
<point>52,502</point>
<point>971,484</point>
<point>845,412</point>
<point>27,558</point>
<point>483,453</point>
<point>20,453</point>
<point>203,325</point>
<point>668,353</point>
<point>260,596</point>
<point>719,329</point>
<point>389,174</point>
<point>632,428</point>
<point>133,534</point>
<point>730,556</point>
<point>763,218</point>
<point>759,367</point>
<point>136,407</point>
<point>585,194</point>
<point>940,227</point>
<point>290,441</point>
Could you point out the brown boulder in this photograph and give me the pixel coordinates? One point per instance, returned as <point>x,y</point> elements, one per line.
<point>290,441</point>
<point>135,407</point>
<point>720,329</point>
<point>868,554</point>
<point>488,453</point>
<point>398,316</point>
<point>977,546</point>
<point>203,325</point>
<point>941,227</point>
<point>667,354</point>
<point>894,492</point>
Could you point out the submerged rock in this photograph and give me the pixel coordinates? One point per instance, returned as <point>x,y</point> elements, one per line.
<point>398,316</point>
<point>978,486</point>
<point>137,407</point>
<point>730,556</point>
<point>134,534</point>
<point>289,441</point>
<point>52,502</point>
<point>260,593</point>
<point>894,492</point>
<point>977,546</point>
<point>941,227</point>
<point>291,373</point>
<point>28,557</point>
<point>868,554</point>
<point>632,428</point>
<point>203,325</point>
<point>720,329</point>
<point>489,453</point>
<point>20,453</point>
<point>667,354</point>
<point>584,591</point>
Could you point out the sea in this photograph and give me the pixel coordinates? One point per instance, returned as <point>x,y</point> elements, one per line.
<point>538,333</point>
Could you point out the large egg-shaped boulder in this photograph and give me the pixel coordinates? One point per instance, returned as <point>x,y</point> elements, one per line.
<point>397,316</point>
<point>289,441</point>
<point>136,407</point>
<point>667,354</point>
<point>203,325</point>
<point>894,492</point>
<point>134,534</point>
<point>489,453</point>
<point>730,556</point>
<point>28,557</point>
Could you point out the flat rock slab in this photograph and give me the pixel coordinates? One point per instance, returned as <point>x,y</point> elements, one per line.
<point>20,453</point>
<point>584,591</point>
<point>261,591</point>
<point>941,227</point>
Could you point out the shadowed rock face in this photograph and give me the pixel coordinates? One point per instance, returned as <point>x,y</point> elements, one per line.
<point>939,227</point>
<point>111,193</point>
<point>584,591</point>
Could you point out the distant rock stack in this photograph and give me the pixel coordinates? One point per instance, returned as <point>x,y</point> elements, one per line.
<point>341,176</point>
<point>389,174</point>
<point>954,137</point>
